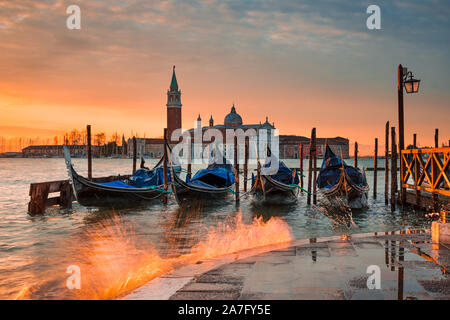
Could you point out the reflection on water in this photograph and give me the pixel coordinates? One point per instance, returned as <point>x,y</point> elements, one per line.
<point>119,250</point>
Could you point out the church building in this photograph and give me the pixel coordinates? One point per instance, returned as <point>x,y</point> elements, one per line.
<point>288,147</point>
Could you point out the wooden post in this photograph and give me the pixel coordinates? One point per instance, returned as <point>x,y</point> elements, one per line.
<point>38,198</point>
<point>436,138</point>
<point>416,178</point>
<point>301,165</point>
<point>89,152</point>
<point>236,170</point>
<point>246,163</point>
<point>134,155</point>
<point>310,167</point>
<point>393,169</point>
<point>165,166</point>
<point>189,160</point>
<point>315,171</point>
<point>414,140</point>
<point>66,195</point>
<point>356,155</point>
<point>375,169</point>
<point>386,165</point>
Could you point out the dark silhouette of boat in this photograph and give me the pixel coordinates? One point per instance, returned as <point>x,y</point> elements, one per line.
<point>207,186</point>
<point>279,186</point>
<point>130,191</point>
<point>337,179</point>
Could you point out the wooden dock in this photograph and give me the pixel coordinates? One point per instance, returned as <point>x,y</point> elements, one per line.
<point>429,171</point>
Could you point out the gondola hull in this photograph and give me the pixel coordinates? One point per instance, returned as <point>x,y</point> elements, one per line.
<point>271,191</point>
<point>356,198</point>
<point>188,194</point>
<point>338,180</point>
<point>93,194</point>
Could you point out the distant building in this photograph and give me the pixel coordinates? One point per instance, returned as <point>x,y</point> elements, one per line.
<point>58,151</point>
<point>148,147</point>
<point>289,146</point>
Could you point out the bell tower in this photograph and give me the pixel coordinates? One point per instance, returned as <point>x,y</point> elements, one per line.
<point>173,107</point>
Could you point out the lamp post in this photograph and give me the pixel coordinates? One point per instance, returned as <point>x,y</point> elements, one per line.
<point>405,79</point>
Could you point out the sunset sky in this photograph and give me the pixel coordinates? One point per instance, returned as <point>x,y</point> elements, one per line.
<point>301,63</point>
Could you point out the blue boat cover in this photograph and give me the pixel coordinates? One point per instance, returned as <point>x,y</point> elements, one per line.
<point>218,174</point>
<point>142,178</point>
<point>216,177</point>
<point>330,171</point>
<point>116,184</point>
<point>284,174</point>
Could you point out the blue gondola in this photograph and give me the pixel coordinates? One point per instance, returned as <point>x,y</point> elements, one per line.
<point>207,186</point>
<point>337,179</point>
<point>279,187</point>
<point>144,186</point>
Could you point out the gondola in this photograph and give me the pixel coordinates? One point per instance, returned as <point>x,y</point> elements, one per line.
<point>143,186</point>
<point>337,179</point>
<point>207,186</point>
<point>279,187</point>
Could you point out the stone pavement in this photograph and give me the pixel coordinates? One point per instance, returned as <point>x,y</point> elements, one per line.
<point>411,267</point>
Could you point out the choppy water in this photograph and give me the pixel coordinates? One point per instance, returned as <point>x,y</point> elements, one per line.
<point>35,251</point>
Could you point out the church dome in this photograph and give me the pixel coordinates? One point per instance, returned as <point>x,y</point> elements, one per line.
<point>233,119</point>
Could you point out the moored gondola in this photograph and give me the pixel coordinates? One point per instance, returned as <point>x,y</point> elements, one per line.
<point>279,186</point>
<point>337,179</point>
<point>207,186</point>
<point>144,186</point>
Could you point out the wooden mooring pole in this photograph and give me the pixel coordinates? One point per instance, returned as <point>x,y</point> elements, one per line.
<point>310,167</point>
<point>375,169</point>
<point>393,170</point>
<point>165,167</point>
<point>246,163</point>
<point>189,160</point>
<point>356,155</point>
<point>89,151</point>
<point>386,165</point>
<point>134,155</point>
<point>300,156</point>
<point>315,171</point>
<point>436,138</point>
<point>236,170</point>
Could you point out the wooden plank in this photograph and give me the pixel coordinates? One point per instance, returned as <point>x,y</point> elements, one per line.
<point>427,150</point>
<point>301,165</point>
<point>393,169</point>
<point>313,137</point>
<point>386,165</point>
<point>442,192</point>
<point>246,151</point>
<point>89,151</point>
<point>53,186</point>
<point>236,170</point>
<point>134,154</point>
<point>164,164</point>
<point>436,138</point>
<point>375,168</point>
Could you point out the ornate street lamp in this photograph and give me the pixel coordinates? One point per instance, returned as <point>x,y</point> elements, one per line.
<point>411,86</point>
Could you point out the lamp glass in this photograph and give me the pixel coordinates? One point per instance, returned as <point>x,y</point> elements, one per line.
<point>412,85</point>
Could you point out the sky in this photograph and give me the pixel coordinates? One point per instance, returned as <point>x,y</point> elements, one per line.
<point>303,64</point>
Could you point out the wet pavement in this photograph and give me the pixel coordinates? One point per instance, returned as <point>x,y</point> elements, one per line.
<point>410,267</point>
